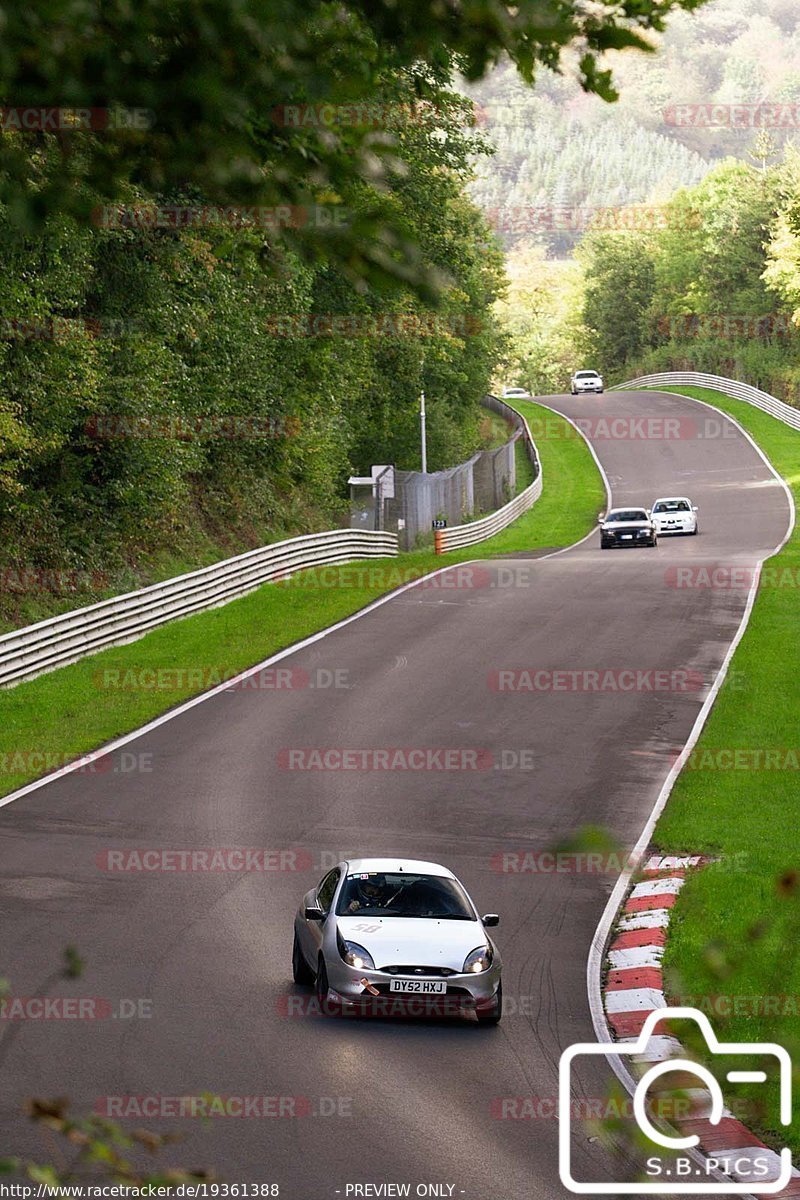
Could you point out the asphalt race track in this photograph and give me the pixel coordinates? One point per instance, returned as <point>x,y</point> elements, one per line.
<point>384,1101</point>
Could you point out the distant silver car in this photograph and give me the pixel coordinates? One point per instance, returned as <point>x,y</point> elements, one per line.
<point>515,393</point>
<point>586,381</point>
<point>377,931</point>
<point>675,514</point>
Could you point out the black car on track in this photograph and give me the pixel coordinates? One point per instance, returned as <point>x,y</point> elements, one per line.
<point>627,527</point>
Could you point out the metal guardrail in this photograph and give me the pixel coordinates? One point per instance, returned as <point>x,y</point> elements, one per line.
<point>486,527</point>
<point>717,383</point>
<point>70,636</point>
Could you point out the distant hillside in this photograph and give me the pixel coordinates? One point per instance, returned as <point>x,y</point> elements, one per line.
<point>553,170</point>
<point>718,79</point>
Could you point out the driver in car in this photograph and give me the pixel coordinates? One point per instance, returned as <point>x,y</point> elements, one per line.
<point>370,893</point>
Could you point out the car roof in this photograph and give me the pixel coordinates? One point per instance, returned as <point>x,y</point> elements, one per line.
<point>414,866</point>
<point>627,508</point>
<point>587,372</point>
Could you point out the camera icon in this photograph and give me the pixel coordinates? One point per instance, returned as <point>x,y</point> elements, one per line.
<point>761,1170</point>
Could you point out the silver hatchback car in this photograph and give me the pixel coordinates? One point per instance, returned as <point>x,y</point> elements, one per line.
<point>397,936</point>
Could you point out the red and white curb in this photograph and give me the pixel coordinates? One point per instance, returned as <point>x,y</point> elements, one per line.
<point>634,988</point>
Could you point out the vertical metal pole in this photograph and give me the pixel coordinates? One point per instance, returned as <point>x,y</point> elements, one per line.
<point>423,434</point>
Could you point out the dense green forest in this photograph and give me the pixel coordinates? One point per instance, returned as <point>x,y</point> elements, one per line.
<point>717,289</point>
<point>197,385</point>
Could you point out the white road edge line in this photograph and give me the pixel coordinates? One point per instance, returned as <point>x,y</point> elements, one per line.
<point>602,933</point>
<point>110,747</point>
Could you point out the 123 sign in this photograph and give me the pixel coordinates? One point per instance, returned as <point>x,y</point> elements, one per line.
<point>438,523</point>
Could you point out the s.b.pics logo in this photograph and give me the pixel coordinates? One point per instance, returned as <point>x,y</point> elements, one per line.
<point>679,1157</point>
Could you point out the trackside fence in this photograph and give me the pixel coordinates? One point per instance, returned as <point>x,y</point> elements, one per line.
<point>486,527</point>
<point>717,383</point>
<point>70,636</point>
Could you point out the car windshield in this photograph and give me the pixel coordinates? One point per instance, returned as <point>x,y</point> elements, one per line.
<point>586,375</point>
<point>627,514</point>
<point>382,894</point>
<point>671,506</point>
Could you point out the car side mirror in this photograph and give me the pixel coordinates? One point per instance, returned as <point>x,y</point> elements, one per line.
<point>490,920</point>
<point>314,913</point>
<point>695,508</point>
<point>600,516</point>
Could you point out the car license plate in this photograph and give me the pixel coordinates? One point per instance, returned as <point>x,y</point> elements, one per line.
<point>627,537</point>
<point>426,987</point>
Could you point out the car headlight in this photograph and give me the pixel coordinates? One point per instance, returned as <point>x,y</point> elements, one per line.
<point>479,959</point>
<point>355,955</point>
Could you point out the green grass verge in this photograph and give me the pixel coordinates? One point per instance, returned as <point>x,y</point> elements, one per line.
<point>71,711</point>
<point>734,937</point>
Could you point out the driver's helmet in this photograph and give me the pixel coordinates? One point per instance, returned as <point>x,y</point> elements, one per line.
<point>370,891</point>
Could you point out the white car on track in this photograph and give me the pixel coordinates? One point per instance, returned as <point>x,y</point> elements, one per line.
<point>516,393</point>
<point>378,934</point>
<point>674,514</point>
<point>585,381</point>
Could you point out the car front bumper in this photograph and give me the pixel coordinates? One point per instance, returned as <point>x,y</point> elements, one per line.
<point>466,992</point>
<point>611,539</point>
<point>682,527</point>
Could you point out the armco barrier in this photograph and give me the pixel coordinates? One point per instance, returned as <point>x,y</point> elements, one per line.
<point>486,527</point>
<point>717,383</point>
<point>66,638</point>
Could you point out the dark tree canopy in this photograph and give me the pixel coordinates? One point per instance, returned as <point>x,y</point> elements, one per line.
<point>200,89</point>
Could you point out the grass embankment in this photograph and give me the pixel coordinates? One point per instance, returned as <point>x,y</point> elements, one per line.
<point>734,945</point>
<point>69,712</point>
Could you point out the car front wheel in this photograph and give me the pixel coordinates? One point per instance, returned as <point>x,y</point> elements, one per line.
<point>301,971</point>
<point>493,1015</point>
<point>322,987</point>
